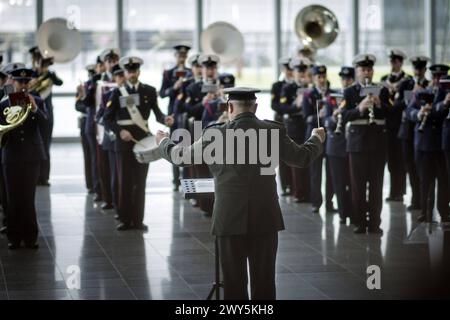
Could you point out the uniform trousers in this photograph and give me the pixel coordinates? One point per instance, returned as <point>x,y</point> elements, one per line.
<point>132,181</point>
<point>260,250</point>
<point>396,165</point>
<point>367,173</point>
<point>21,180</point>
<point>340,176</point>
<point>104,174</point>
<point>409,156</point>
<point>92,143</point>
<point>47,135</point>
<point>86,156</point>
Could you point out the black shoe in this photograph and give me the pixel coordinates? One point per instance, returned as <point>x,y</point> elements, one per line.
<point>331,210</point>
<point>413,208</point>
<point>90,191</point>
<point>117,217</point>
<point>107,206</point>
<point>14,245</point>
<point>4,230</point>
<point>315,209</point>
<point>421,219</point>
<point>343,221</point>
<point>395,199</point>
<point>176,188</point>
<point>124,227</point>
<point>97,198</point>
<point>32,246</point>
<point>301,200</point>
<point>207,214</point>
<point>360,230</point>
<point>376,230</point>
<point>141,227</point>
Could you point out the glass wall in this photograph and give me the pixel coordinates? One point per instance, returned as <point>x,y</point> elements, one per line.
<point>17,27</point>
<point>443,31</point>
<point>391,24</point>
<point>254,19</point>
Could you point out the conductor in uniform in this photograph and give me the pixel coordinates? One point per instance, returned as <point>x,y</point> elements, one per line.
<point>366,145</point>
<point>22,152</point>
<point>127,114</point>
<point>247,216</point>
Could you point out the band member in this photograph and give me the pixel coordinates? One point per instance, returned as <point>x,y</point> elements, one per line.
<point>199,94</point>
<point>247,216</point>
<point>366,145</point>
<point>22,153</point>
<point>291,105</point>
<point>336,148</point>
<point>288,77</point>
<point>105,147</point>
<point>444,106</point>
<point>108,144</point>
<point>81,108</point>
<point>317,98</point>
<point>395,161</point>
<point>407,88</point>
<point>42,85</point>
<point>171,87</point>
<point>428,144</point>
<point>126,115</point>
<point>7,89</point>
<point>87,97</point>
<point>216,108</point>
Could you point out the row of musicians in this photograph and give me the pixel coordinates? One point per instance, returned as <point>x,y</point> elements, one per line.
<point>370,126</point>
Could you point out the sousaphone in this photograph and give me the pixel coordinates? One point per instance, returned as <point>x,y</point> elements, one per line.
<point>224,40</point>
<point>317,27</point>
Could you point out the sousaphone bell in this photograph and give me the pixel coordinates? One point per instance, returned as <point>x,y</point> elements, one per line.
<point>224,40</point>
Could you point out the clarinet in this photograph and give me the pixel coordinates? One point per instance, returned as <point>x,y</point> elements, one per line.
<point>371,110</point>
<point>423,123</point>
<point>339,125</point>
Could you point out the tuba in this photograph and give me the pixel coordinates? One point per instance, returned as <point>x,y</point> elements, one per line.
<point>224,40</point>
<point>15,115</point>
<point>59,42</point>
<point>317,27</point>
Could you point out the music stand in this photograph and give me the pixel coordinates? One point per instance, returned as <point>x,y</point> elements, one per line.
<point>192,187</point>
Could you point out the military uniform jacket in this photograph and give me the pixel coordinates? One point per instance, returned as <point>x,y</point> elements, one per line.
<point>293,116</point>
<point>179,106</point>
<point>114,112</point>
<point>167,89</point>
<point>108,144</point>
<point>277,87</point>
<point>406,130</point>
<point>194,100</point>
<point>365,138</point>
<point>430,139</point>
<point>90,103</point>
<point>24,144</point>
<point>445,114</point>
<point>246,202</point>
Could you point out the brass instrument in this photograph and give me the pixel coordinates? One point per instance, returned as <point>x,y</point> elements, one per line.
<point>15,116</point>
<point>42,85</point>
<point>224,40</point>
<point>317,27</point>
<point>423,123</point>
<point>340,121</point>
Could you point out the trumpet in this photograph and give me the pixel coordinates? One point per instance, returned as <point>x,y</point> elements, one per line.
<point>42,86</point>
<point>423,123</point>
<point>371,110</point>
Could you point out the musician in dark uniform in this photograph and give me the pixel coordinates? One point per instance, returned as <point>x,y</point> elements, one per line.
<point>214,109</point>
<point>429,119</point>
<point>87,97</point>
<point>407,88</point>
<point>42,74</point>
<point>319,94</point>
<point>172,83</point>
<point>126,114</point>
<point>366,145</point>
<point>3,79</point>
<point>291,106</point>
<point>444,106</point>
<point>199,95</point>
<point>336,147</point>
<point>288,77</point>
<point>81,108</point>
<point>247,215</point>
<point>395,160</point>
<point>22,152</point>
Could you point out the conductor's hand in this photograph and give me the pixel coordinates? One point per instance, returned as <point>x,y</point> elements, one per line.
<point>169,121</point>
<point>160,135</point>
<point>320,133</point>
<point>125,135</point>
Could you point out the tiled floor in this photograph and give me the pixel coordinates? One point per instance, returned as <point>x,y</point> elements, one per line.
<point>318,258</point>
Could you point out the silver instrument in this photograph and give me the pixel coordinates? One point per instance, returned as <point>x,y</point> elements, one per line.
<point>371,108</point>
<point>224,40</point>
<point>146,150</point>
<point>317,27</point>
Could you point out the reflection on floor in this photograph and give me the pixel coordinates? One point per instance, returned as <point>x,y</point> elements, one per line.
<point>318,258</point>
